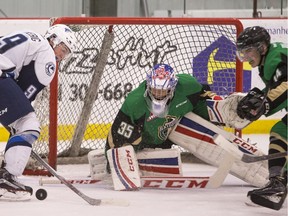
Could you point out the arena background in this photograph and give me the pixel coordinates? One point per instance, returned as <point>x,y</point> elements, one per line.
<point>277,27</point>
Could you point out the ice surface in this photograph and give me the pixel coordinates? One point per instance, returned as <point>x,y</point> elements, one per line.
<point>228,200</point>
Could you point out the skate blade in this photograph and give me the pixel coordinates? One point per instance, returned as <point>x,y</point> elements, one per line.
<point>248,202</point>
<point>268,201</point>
<point>14,197</point>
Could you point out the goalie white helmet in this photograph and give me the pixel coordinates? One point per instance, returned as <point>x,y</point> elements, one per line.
<point>160,86</point>
<point>62,34</point>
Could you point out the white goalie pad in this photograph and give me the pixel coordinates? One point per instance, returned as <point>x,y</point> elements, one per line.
<point>124,168</point>
<point>224,111</point>
<point>98,164</point>
<point>152,162</point>
<point>160,162</point>
<point>195,134</point>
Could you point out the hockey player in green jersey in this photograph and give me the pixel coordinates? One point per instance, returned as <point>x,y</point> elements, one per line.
<point>253,45</point>
<point>150,111</point>
<point>145,128</point>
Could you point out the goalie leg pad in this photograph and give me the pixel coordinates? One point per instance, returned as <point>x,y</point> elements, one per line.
<point>191,134</point>
<point>160,162</point>
<point>152,162</point>
<point>98,164</point>
<point>124,168</point>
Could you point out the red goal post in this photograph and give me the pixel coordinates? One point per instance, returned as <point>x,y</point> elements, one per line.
<point>203,47</point>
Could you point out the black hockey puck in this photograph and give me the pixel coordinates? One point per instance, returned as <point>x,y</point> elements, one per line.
<point>41,194</point>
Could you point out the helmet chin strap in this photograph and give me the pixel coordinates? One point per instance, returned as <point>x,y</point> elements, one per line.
<point>54,45</point>
<point>261,60</point>
<point>262,51</point>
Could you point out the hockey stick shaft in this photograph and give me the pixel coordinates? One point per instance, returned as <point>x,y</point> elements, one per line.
<point>251,159</point>
<point>88,199</point>
<point>217,179</point>
<point>247,158</point>
<point>91,201</point>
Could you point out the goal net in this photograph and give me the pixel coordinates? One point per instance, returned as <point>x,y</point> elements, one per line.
<point>77,110</point>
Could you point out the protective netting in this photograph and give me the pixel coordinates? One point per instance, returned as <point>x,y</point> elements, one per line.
<point>205,51</point>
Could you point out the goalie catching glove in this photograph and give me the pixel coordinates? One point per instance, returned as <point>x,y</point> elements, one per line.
<point>224,112</point>
<point>253,105</point>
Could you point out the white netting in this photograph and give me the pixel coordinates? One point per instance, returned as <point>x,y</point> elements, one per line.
<point>206,51</point>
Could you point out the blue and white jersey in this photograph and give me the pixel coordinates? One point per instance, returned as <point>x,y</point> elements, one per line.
<point>33,60</point>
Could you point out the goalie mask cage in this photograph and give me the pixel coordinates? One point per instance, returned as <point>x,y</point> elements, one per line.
<point>74,124</point>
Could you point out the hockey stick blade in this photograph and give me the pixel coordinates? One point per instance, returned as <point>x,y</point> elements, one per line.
<point>158,182</point>
<point>150,182</point>
<point>167,182</point>
<point>247,158</point>
<point>88,199</point>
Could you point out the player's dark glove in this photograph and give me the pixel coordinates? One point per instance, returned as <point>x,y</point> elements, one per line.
<point>253,105</point>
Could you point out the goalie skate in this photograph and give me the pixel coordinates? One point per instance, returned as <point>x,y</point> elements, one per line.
<point>272,196</point>
<point>11,190</point>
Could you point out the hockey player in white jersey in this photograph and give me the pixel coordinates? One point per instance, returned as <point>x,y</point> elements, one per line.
<point>27,64</point>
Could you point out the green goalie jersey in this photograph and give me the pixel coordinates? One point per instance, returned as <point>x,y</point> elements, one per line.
<point>136,125</point>
<point>274,74</point>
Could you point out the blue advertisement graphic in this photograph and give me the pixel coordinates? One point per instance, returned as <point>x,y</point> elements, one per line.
<point>218,63</point>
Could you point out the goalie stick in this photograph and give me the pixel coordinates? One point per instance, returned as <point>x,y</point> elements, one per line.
<point>147,182</point>
<point>247,158</point>
<point>88,199</point>
<point>165,182</point>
